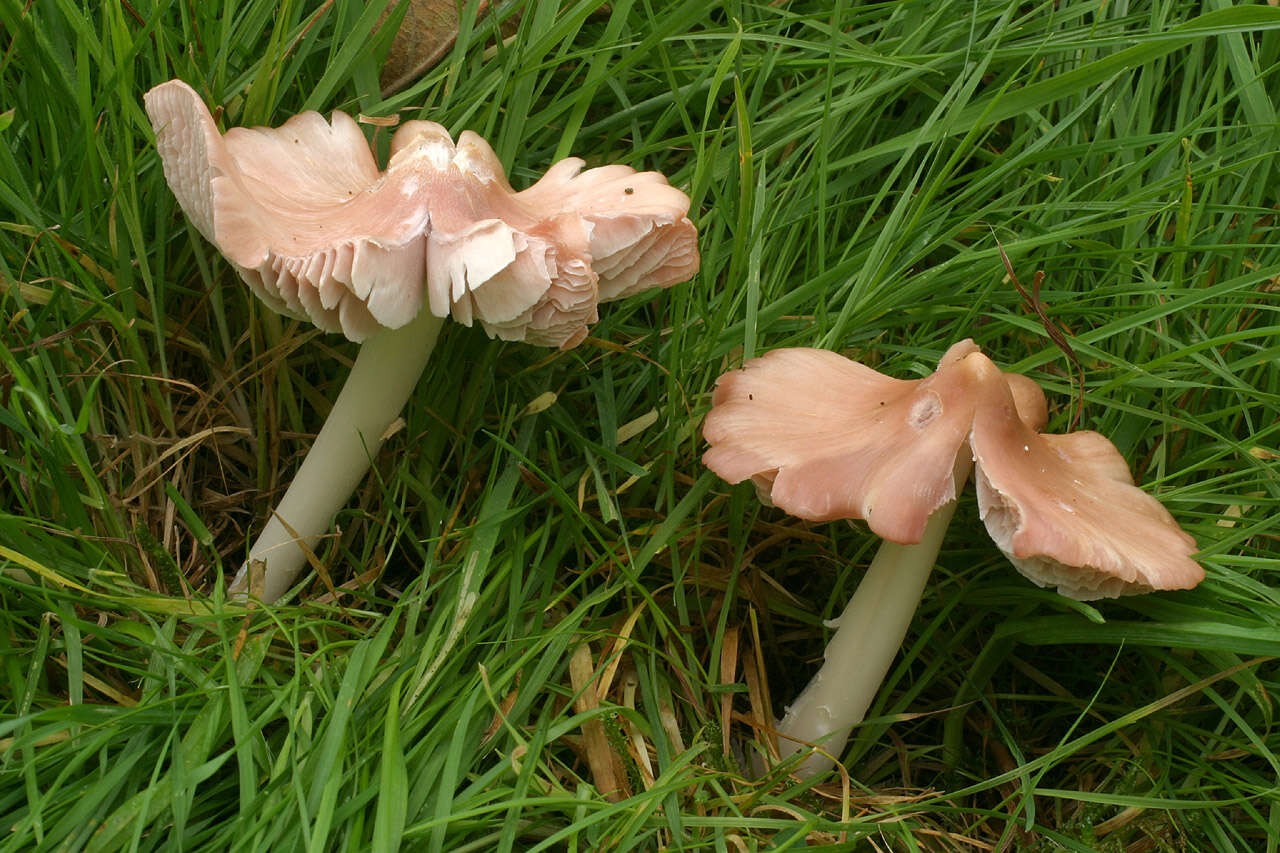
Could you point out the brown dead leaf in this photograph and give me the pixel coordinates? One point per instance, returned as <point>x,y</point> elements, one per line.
<point>426,34</point>
<point>601,758</point>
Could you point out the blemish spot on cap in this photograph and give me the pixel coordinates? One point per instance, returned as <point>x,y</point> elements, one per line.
<point>924,411</point>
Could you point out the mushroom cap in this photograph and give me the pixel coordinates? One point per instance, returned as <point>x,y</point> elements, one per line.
<point>823,437</point>
<point>830,438</point>
<point>1065,511</point>
<point>318,231</point>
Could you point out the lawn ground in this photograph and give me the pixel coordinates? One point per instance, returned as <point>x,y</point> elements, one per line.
<point>550,627</point>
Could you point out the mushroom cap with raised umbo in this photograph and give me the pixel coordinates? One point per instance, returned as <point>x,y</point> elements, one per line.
<point>827,438</point>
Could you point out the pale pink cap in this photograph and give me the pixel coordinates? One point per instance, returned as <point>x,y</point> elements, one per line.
<point>823,437</point>
<point>318,231</point>
<point>831,438</point>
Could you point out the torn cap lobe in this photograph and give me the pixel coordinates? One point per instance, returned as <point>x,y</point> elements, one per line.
<point>1064,510</point>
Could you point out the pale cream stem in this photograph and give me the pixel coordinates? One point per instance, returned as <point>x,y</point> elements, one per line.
<point>383,377</point>
<point>868,635</point>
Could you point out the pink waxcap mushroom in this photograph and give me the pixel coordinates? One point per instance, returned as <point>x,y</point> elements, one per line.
<point>822,437</point>
<point>1064,510</point>
<point>830,438</point>
<point>318,231</point>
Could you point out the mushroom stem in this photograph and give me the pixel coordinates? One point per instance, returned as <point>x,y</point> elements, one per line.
<point>384,375</point>
<point>868,635</point>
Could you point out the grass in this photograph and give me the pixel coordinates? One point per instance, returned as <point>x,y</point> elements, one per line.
<point>556,630</point>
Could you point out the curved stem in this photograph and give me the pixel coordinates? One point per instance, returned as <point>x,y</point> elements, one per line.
<point>384,375</point>
<point>869,634</point>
